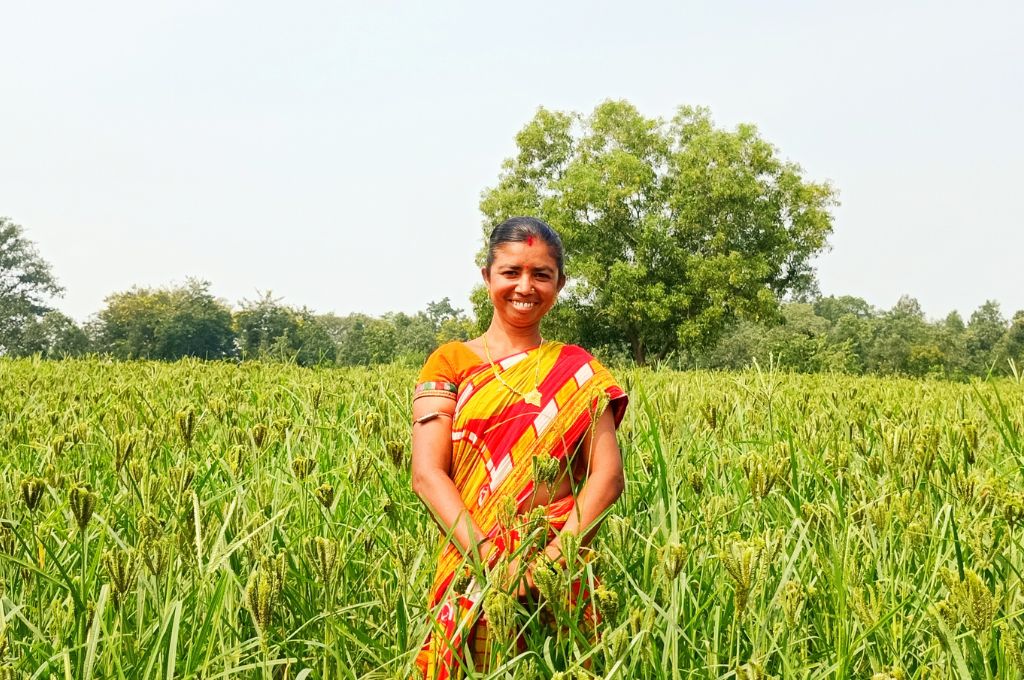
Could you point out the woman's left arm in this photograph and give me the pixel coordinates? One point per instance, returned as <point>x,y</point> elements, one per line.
<point>601,464</point>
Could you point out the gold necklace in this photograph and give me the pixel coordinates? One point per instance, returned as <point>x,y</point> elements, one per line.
<point>533,396</point>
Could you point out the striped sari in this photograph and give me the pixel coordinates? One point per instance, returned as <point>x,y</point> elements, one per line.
<point>496,435</point>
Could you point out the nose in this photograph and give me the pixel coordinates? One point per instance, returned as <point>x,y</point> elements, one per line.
<point>524,285</point>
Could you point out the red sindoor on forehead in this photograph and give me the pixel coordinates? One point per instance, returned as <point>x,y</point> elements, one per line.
<point>529,240</point>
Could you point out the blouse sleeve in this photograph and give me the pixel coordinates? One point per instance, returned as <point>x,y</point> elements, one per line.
<point>437,377</point>
<point>617,400</point>
<point>617,397</point>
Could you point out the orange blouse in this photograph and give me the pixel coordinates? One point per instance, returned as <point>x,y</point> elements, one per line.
<point>445,370</point>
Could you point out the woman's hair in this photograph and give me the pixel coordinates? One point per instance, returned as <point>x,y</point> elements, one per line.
<point>521,230</point>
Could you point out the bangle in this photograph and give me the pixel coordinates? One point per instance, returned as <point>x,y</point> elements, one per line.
<point>426,418</point>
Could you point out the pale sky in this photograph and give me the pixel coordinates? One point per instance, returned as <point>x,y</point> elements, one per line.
<point>334,153</point>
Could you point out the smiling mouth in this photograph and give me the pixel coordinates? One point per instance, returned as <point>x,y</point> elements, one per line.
<point>519,304</point>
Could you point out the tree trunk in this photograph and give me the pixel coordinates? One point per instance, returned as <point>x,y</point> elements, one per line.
<point>639,351</point>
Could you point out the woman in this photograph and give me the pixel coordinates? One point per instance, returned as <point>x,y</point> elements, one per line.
<point>503,425</point>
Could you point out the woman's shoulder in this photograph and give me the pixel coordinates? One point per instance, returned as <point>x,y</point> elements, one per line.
<point>591,368</point>
<point>456,352</point>
<point>450,361</point>
<point>579,355</point>
<point>576,352</point>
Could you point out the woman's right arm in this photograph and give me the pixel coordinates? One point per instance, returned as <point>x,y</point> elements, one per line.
<point>431,473</point>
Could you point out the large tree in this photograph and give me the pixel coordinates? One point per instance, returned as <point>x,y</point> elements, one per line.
<point>363,340</point>
<point>896,333</point>
<point>673,230</point>
<point>984,331</point>
<point>165,323</point>
<point>261,324</point>
<point>53,336</point>
<point>449,323</point>
<point>269,329</point>
<point>1011,346</point>
<point>26,283</point>
<point>834,308</point>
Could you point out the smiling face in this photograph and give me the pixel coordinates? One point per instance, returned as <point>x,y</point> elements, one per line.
<point>523,282</point>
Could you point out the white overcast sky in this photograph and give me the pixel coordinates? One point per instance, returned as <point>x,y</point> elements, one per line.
<point>334,153</point>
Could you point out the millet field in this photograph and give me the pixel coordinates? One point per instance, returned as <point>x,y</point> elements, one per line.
<point>213,520</point>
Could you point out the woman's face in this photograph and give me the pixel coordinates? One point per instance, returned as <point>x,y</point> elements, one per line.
<point>523,282</point>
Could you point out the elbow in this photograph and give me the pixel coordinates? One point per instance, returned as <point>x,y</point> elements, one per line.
<point>417,482</point>
<point>421,483</point>
<point>616,485</point>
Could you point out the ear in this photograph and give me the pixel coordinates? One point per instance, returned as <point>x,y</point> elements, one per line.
<point>561,282</point>
<point>485,272</point>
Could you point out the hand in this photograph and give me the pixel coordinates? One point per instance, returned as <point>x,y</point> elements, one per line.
<point>554,553</point>
<point>524,578</point>
<point>485,550</point>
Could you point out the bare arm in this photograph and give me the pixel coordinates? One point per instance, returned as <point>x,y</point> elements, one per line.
<point>431,473</point>
<point>601,464</point>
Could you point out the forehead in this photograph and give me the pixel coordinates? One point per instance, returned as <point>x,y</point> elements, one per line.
<point>535,254</point>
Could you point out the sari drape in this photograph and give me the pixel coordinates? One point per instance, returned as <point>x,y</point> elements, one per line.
<point>496,435</point>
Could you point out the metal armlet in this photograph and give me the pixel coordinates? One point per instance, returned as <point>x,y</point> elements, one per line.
<point>426,418</point>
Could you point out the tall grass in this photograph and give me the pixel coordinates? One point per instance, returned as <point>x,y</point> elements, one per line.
<point>256,521</point>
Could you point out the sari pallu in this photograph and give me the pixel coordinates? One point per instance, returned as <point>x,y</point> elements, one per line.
<point>495,437</point>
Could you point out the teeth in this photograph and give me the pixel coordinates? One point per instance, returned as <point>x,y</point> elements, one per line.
<point>522,305</point>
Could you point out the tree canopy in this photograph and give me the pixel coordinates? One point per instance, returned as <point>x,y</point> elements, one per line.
<point>846,334</point>
<point>268,329</point>
<point>26,284</point>
<point>53,336</point>
<point>165,323</point>
<point>673,230</point>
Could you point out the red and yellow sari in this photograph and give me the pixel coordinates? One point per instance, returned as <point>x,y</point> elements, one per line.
<point>495,436</point>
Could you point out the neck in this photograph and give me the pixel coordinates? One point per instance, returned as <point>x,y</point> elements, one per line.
<point>506,340</point>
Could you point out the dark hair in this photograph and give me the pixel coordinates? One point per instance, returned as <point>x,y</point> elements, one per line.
<point>519,230</point>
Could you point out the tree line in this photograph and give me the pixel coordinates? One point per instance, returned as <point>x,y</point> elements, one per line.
<point>686,245</point>
<point>187,320</point>
<point>841,334</point>
<point>166,324</point>
<point>845,334</point>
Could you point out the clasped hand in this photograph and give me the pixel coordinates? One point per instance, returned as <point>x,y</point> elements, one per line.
<point>516,572</point>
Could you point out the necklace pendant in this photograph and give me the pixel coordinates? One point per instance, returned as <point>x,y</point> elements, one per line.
<point>532,397</point>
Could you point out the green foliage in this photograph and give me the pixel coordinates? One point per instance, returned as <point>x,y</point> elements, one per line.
<point>800,342</point>
<point>1011,346</point>
<point>450,323</point>
<point>187,321</point>
<point>260,324</point>
<point>415,336</point>
<point>847,335</point>
<point>900,340</point>
<point>484,311</point>
<point>841,334</point>
<point>207,520</point>
<point>165,323</point>
<point>26,283</point>
<point>673,231</point>
<point>834,308</point>
<point>365,340</point>
<point>984,331</point>
<point>269,330</point>
<point>53,336</point>
<point>313,343</point>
